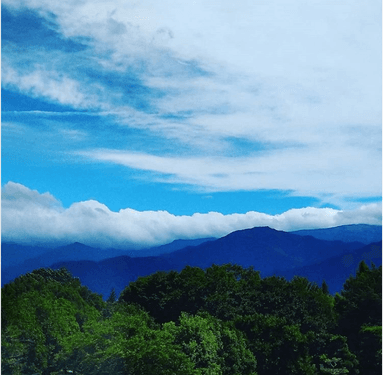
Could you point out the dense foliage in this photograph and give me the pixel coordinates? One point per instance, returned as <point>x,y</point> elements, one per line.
<point>222,320</point>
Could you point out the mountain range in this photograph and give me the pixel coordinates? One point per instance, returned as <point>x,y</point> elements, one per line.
<point>337,269</point>
<point>347,233</point>
<point>16,261</point>
<point>267,250</point>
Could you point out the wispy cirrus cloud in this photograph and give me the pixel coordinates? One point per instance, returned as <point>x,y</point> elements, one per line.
<point>290,169</point>
<point>279,95</point>
<point>51,85</point>
<point>31,217</point>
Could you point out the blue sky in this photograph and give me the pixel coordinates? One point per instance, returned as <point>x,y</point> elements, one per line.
<point>192,107</point>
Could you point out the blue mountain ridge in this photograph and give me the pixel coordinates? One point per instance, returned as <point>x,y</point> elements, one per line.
<point>347,233</point>
<point>336,270</point>
<point>267,250</point>
<point>20,259</point>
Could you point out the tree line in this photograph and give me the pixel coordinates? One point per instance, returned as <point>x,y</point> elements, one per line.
<point>221,320</point>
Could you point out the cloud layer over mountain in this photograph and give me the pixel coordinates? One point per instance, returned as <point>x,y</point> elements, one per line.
<point>31,217</point>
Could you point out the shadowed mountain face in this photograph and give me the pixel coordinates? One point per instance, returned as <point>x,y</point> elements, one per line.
<point>170,247</point>
<point>73,252</point>
<point>114,273</point>
<point>266,249</point>
<point>263,248</point>
<point>16,261</point>
<point>13,253</point>
<point>337,269</point>
<point>347,233</point>
<point>36,256</point>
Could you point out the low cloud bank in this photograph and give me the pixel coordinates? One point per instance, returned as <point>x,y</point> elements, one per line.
<point>31,217</point>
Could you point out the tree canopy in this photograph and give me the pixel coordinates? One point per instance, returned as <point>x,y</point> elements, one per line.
<point>221,320</point>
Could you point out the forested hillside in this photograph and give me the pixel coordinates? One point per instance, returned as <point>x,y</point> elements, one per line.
<point>222,320</point>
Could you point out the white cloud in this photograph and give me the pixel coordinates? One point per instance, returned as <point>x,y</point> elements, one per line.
<point>75,135</point>
<point>280,72</point>
<point>329,177</point>
<point>292,52</point>
<point>28,216</point>
<point>18,197</point>
<point>48,84</point>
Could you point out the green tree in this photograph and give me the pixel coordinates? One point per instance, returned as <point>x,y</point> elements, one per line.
<point>39,310</point>
<point>212,345</point>
<point>112,297</point>
<point>370,349</point>
<point>360,301</point>
<point>282,348</point>
<point>332,355</point>
<point>278,347</point>
<point>360,307</point>
<point>223,291</point>
<point>128,342</point>
<point>324,287</point>
<point>158,294</point>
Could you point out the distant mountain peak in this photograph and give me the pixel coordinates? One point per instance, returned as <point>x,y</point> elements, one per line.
<point>363,233</point>
<point>75,245</point>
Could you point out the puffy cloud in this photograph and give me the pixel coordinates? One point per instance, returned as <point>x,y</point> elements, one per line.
<point>31,217</point>
<point>17,197</point>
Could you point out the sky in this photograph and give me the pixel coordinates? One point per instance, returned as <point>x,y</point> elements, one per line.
<point>131,124</point>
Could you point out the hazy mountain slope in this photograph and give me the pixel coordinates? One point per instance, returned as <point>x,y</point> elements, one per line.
<point>337,269</point>
<point>115,273</point>
<point>76,252</point>
<point>264,248</point>
<point>13,253</point>
<point>170,247</point>
<point>15,264</point>
<point>347,233</point>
